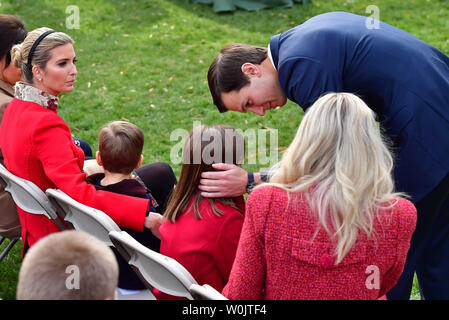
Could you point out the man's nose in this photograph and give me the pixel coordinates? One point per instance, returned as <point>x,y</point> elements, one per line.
<point>257,110</point>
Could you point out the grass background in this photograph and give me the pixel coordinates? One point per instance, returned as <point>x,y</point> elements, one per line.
<point>146,61</point>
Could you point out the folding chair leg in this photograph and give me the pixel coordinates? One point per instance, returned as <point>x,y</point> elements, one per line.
<point>8,248</point>
<point>60,225</point>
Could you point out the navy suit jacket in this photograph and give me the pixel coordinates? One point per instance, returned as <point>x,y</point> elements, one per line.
<point>402,79</point>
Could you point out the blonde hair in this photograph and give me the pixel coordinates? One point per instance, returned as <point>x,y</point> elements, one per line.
<point>19,52</point>
<point>340,160</point>
<point>49,264</point>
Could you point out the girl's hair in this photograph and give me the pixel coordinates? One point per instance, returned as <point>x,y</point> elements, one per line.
<point>204,146</point>
<point>41,55</point>
<point>340,160</point>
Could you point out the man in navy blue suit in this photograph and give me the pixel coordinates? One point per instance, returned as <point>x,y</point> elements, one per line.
<point>404,80</point>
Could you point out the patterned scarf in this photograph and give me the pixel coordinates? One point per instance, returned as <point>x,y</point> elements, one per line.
<point>27,92</point>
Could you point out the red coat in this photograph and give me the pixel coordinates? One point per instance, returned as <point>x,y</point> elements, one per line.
<point>277,257</point>
<point>206,247</point>
<point>38,146</point>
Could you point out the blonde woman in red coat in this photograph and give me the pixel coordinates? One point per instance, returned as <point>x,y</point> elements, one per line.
<point>328,225</point>
<point>37,143</point>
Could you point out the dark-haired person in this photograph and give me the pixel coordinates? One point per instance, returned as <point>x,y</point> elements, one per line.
<point>12,31</point>
<point>202,234</point>
<point>328,213</point>
<point>402,79</point>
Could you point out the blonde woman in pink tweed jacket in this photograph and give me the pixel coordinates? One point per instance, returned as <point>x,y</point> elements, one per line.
<point>328,225</point>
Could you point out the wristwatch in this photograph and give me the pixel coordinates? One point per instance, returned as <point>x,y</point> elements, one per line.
<point>264,176</point>
<point>250,185</point>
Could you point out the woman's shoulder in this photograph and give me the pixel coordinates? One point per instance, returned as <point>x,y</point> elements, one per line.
<point>274,195</point>
<point>406,212</point>
<point>404,206</point>
<point>270,199</point>
<point>400,215</point>
<point>41,116</point>
<point>25,115</point>
<point>32,108</point>
<point>268,190</point>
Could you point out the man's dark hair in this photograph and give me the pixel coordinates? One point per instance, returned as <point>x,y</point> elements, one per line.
<point>225,73</point>
<point>12,32</point>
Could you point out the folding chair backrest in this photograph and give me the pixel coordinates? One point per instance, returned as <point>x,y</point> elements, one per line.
<point>82,217</point>
<point>28,196</point>
<point>161,272</point>
<point>205,292</point>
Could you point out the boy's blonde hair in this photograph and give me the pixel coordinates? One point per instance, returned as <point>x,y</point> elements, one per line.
<point>120,146</point>
<point>49,269</point>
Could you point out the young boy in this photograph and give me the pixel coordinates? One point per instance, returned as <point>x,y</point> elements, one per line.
<point>68,265</point>
<point>120,152</point>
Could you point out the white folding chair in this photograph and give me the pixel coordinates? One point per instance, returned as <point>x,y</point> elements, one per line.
<point>82,217</point>
<point>205,292</point>
<point>92,221</point>
<point>160,271</point>
<point>28,196</point>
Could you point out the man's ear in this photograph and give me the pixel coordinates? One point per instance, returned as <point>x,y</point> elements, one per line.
<point>140,162</point>
<point>251,70</point>
<point>98,157</point>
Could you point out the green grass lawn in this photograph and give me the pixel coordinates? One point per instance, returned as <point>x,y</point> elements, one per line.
<point>146,61</point>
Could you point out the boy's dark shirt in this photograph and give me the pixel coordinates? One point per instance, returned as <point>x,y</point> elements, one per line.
<point>131,187</point>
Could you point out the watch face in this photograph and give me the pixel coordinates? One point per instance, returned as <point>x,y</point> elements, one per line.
<point>264,176</point>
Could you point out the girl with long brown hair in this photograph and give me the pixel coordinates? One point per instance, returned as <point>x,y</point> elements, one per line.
<point>202,233</point>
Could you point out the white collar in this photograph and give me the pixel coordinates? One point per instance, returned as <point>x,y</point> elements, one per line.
<point>271,58</point>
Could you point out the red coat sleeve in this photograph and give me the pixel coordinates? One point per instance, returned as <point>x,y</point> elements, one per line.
<point>52,145</point>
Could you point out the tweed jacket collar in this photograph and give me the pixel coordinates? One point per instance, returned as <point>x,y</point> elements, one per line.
<point>27,92</point>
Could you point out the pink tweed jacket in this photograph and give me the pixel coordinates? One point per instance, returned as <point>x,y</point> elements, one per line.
<point>278,258</point>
